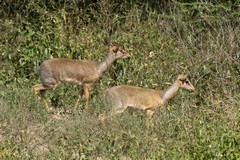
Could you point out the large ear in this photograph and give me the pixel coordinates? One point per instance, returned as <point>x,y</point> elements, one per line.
<point>182,77</point>
<point>110,44</point>
<point>114,47</point>
<point>115,50</point>
<point>181,82</point>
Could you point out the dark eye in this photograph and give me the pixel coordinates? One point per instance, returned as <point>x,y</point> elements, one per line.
<point>122,51</point>
<point>187,82</point>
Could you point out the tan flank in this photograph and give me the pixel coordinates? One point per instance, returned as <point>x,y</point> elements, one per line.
<point>82,72</point>
<point>123,96</point>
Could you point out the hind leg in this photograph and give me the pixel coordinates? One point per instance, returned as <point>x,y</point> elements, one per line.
<point>42,93</point>
<point>37,87</point>
<point>119,107</point>
<point>103,117</point>
<point>42,89</point>
<point>119,111</point>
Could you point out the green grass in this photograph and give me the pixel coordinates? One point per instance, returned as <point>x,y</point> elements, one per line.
<point>198,39</point>
<point>185,132</point>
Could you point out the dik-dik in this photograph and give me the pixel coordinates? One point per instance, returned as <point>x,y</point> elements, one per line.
<point>123,96</point>
<point>82,72</point>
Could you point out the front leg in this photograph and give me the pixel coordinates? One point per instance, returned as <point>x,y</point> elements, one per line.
<point>86,94</point>
<point>42,93</point>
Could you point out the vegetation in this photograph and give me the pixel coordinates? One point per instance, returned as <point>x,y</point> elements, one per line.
<point>164,38</point>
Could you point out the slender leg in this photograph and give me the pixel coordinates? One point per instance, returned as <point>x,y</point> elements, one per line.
<point>103,117</point>
<point>42,89</point>
<point>42,93</point>
<point>150,113</point>
<point>37,87</point>
<point>86,94</point>
<point>119,111</point>
<point>113,113</point>
<point>79,98</point>
<point>118,106</point>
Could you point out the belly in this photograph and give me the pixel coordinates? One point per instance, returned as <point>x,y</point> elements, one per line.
<point>71,81</point>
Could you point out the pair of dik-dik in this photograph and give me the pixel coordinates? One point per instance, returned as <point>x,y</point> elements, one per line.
<point>85,73</point>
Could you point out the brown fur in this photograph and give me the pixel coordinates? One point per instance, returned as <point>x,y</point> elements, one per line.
<point>82,72</point>
<point>123,96</point>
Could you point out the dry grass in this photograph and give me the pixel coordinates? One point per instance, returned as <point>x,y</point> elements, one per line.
<point>186,131</point>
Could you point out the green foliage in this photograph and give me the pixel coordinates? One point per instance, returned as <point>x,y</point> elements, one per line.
<point>164,38</point>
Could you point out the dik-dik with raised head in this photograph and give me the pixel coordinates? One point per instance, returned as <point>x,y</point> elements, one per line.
<point>82,72</point>
<point>123,96</point>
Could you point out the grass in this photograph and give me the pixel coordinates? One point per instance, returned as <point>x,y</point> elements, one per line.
<point>184,132</point>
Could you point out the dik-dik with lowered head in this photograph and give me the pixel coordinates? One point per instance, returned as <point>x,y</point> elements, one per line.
<point>123,96</point>
<point>82,72</point>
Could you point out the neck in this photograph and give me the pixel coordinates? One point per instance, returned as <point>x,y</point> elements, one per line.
<point>169,93</point>
<point>104,64</point>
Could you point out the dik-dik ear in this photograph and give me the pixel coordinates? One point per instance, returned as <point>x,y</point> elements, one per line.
<point>111,44</point>
<point>113,47</point>
<point>182,77</point>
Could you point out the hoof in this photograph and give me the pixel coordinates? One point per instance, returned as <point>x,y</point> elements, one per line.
<point>50,110</point>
